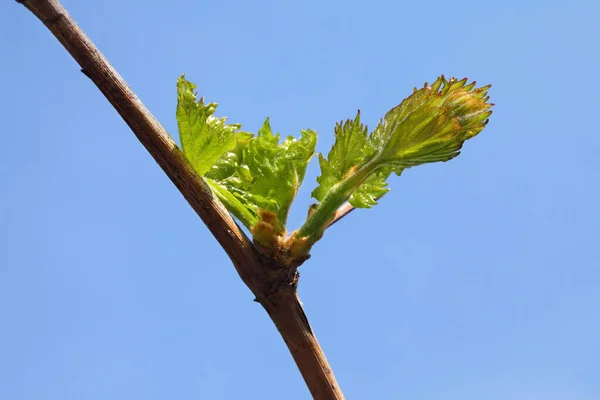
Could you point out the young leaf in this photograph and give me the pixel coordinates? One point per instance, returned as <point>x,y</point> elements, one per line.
<point>372,189</point>
<point>213,148</point>
<point>230,182</point>
<point>278,169</point>
<point>256,178</point>
<point>431,125</point>
<point>204,138</point>
<point>351,149</point>
<point>258,181</point>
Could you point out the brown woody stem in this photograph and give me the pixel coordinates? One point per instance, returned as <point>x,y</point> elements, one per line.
<point>285,309</point>
<point>273,285</point>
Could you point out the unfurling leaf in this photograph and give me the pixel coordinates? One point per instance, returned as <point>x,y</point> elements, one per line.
<point>432,124</point>
<point>264,177</point>
<point>351,150</point>
<point>429,126</point>
<point>204,138</point>
<point>256,178</point>
<point>278,169</point>
<point>373,188</point>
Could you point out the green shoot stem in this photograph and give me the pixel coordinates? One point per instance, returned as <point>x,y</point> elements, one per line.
<point>316,224</point>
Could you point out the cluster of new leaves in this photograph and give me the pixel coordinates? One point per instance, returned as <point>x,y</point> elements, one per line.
<point>256,177</point>
<point>429,126</point>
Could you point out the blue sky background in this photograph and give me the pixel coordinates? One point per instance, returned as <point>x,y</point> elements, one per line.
<point>474,279</point>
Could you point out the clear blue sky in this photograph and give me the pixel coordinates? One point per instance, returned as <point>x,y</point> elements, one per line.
<point>474,279</point>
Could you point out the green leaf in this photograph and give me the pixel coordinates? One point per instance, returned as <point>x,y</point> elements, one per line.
<point>372,189</point>
<point>204,138</point>
<point>262,176</point>
<point>230,180</point>
<point>257,178</point>
<point>352,149</point>
<point>351,141</point>
<point>277,169</point>
<point>429,126</point>
<point>235,201</point>
<point>432,124</point>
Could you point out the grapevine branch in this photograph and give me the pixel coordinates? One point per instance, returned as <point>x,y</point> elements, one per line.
<point>274,285</point>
